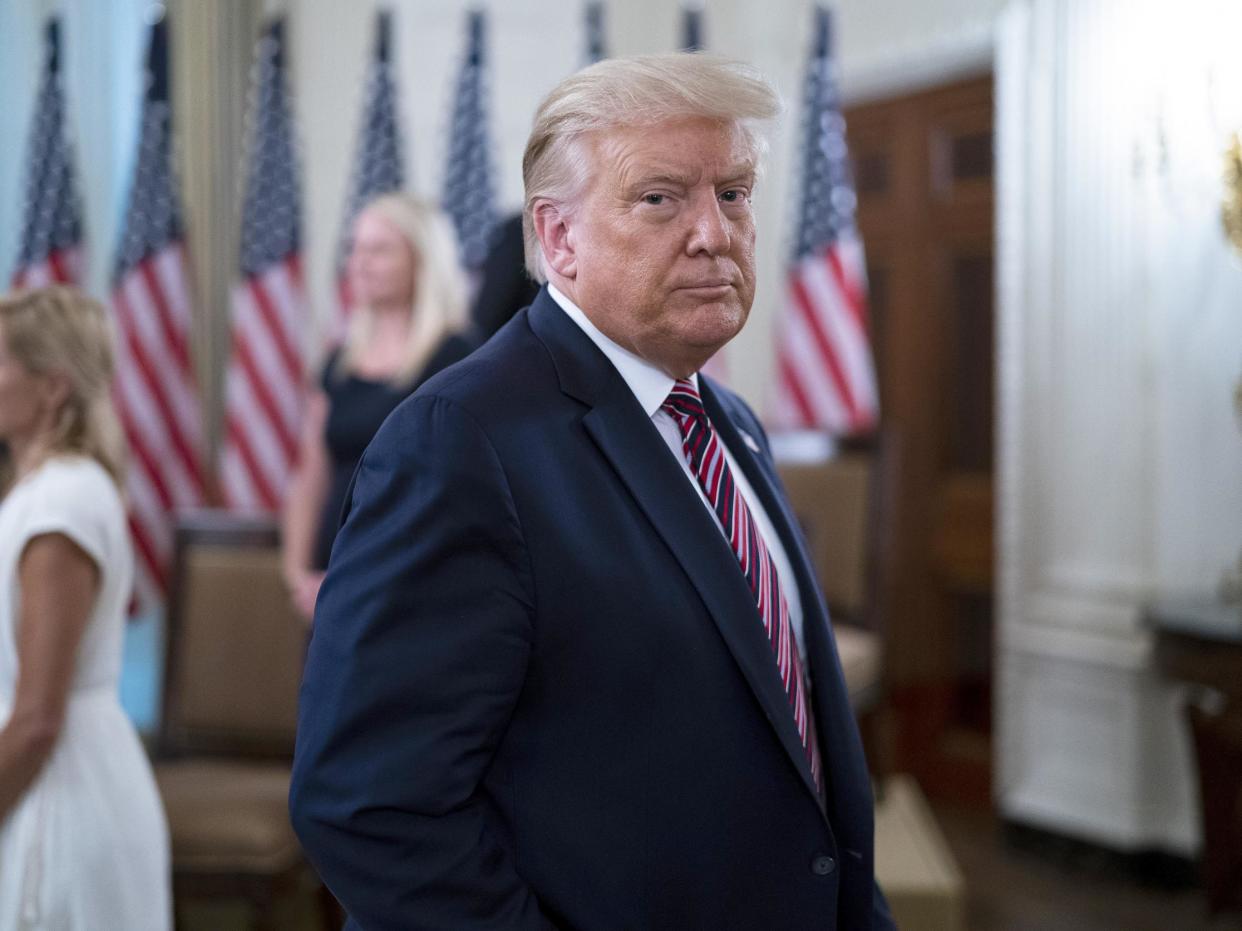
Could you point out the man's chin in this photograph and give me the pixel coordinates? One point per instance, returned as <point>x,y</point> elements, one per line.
<point>715,323</point>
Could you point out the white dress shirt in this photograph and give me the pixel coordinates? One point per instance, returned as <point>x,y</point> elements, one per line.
<point>651,386</point>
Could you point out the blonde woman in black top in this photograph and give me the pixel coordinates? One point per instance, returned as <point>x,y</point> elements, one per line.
<point>409,321</point>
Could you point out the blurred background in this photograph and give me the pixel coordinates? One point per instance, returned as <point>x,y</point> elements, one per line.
<point>1041,388</point>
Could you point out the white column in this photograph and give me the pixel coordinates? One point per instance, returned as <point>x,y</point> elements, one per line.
<point>1107,458</point>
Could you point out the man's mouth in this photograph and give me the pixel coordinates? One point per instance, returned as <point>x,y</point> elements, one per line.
<point>715,284</point>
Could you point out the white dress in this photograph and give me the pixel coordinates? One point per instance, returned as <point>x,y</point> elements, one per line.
<point>86,847</point>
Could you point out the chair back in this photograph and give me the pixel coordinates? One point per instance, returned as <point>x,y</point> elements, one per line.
<point>841,505</point>
<point>234,645</point>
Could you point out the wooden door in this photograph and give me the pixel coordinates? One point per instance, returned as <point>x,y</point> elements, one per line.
<point>923,166</point>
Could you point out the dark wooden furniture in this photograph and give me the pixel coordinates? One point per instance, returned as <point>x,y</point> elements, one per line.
<point>234,653</point>
<point>1199,641</point>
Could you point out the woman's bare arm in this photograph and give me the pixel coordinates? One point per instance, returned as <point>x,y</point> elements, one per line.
<point>303,504</point>
<point>59,584</point>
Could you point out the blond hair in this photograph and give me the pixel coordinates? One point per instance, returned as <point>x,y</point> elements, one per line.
<point>438,307</point>
<point>58,330</point>
<point>641,91</point>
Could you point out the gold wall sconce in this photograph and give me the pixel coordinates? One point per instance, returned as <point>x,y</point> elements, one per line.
<point>1231,205</point>
<point>1231,219</point>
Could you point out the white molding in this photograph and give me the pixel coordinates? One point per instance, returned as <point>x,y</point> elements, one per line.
<point>1054,635</point>
<point>1096,751</point>
<point>1043,806</point>
<point>904,67</point>
<point>1097,581</point>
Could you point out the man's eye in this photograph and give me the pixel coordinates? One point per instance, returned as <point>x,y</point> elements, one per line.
<point>732,197</point>
<point>654,199</point>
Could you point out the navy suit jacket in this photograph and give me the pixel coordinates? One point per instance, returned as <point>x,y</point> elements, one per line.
<point>539,693</point>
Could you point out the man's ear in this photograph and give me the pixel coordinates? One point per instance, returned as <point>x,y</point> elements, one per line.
<point>555,239</point>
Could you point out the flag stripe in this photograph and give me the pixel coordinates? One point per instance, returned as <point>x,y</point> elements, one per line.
<point>59,267</point>
<point>261,362</point>
<point>141,458</point>
<point>163,384</point>
<point>846,264</point>
<point>252,471</point>
<point>263,397</point>
<point>277,458</point>
<point>845,327</point>
<point>239,492</point>
<point>803,411</point>
<point>804,365</point>
<point>151,560</point>
<point>815,323</point>
<point>262,291</point>
<point>153,290</point>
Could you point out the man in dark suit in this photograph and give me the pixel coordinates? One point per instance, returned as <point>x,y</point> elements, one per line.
<point>570,666</point>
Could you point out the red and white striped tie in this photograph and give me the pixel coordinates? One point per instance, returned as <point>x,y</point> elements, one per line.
<point>705,453</point>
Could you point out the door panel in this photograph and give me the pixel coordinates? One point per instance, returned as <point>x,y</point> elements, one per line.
<point>926,214</point>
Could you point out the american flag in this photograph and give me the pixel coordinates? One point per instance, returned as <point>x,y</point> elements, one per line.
<point>51,244</point>
<point>692,27</point>
<point>826,376</point>
<point>468,196</point>
<point>263,386</point>
<point>379,166</point>
<point>155,388</point>
<point>596,50</point>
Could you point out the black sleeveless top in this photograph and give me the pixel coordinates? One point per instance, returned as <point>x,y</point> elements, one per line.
<point>356,408</point>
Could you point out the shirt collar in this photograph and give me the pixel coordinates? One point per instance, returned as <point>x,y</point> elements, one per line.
<point>649,383</point>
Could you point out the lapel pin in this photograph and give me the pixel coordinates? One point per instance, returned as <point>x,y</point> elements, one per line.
<point>749,441</point>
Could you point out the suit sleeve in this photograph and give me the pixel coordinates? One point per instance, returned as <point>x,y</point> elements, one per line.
<point>422,635</point>
<point>881,914</point>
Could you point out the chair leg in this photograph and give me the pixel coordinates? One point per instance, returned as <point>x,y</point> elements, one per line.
<point>264,911</point>
<point>1218,747</point>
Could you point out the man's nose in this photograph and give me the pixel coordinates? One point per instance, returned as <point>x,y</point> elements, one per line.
<point>710,231</point>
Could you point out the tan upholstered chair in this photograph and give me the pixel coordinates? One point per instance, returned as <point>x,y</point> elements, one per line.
<point>842,506</point>
<point>234,656</point>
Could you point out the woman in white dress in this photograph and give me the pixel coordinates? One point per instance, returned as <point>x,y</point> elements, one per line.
<point>83,837</point>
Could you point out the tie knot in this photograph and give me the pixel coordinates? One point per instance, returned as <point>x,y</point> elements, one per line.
<point>684,401</point>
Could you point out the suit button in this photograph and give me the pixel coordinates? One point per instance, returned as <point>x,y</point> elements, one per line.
<point>822,866</point>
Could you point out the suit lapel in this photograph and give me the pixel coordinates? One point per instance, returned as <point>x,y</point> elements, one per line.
<point>626,437</point>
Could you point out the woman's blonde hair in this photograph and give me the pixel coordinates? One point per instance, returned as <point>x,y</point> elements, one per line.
<point>58,330</point>
<point>439,301</point>
<point>640,91</point>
